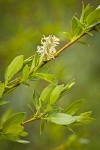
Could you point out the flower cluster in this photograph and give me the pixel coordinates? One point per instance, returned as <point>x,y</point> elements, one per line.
<point>47,50</point>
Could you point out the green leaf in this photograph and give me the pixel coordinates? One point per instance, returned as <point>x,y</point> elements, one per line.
<point>6,115</point>
<point>14,132</point>
<point>83,118</point>
<point>48,77</point>
<point>4,102</point>
<point>87,114</point>
<point>45,95</point>
<point>67,87</point>
<point>25,73</point>
<point>56,94</point>
<point>62,119</point>
<point>54,110</point>
<point>36,100</point>
<point>84,43</point>
<point>75,23</point>
<point>85,12</point>
<point>2,88</point>
<point>42,126</point>
<point>72,109</point>
<point>93,17</point>
<point>33,63</point>
<point>14,67</point>
<point>15,119</point>
<point>68,35</point>
<point>78,30</point>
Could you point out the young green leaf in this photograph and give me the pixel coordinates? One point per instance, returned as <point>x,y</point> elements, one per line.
<point>54,110</point>
<point>87,114</point>
<point>68,35</point>
<point>61,119</point>
<point>6,115</point>
<point>33,63</point>
<point>82,42</point>
<point>2,88</point>
<point>67,87</point>
<point>93,17</point>
<point>83,118</point>
<point>25,73</point>
<point>48,77</point>
<point>75,23</point>
<point>14,132</point>
<point>42,126</point>
<point>56,94</point>
<point>85,12</point>
<point>72,109</point>
<point>45,95</point>
<point>78,30</point>
<point>36,100</point>
<point>13,68</point>
<point>15,119</point>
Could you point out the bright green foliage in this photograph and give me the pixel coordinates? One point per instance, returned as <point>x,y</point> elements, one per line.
<point>43,70</point>
<point>87,20</point>
<point>76,26</point>
<point>72,109</point>
<point>14,120</point>
<point>75,23</point>
<point>13,68</point>
<point>67,87</point>
<point>25,73</point>
<point>36,100</point>
<point>56,94</point>
<point>6,115</point>
<point>13,133</point>
<point>84,118</point>
<point>85,12</point>
<point>33,63</point>
<point>68,35</point>
<point>93,17</point>
<point>66,119</point>
<point>12,129</point>
<point>45,95</point>
<point>42,126</point>
<point>84,43</point>
<point>48,77</point>
<point>61,118</point>
<point>46,106</point>
<point>90,17</point>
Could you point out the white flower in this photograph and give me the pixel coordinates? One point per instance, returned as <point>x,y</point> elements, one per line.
<point>47,50</point>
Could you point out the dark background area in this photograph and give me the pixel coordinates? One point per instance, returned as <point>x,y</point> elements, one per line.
<point>22,25</point>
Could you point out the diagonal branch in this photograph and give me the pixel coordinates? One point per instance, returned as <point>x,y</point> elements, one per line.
<point>16,82</point>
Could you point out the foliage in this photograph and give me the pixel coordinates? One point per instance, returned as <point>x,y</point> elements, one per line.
<point>45,103</point>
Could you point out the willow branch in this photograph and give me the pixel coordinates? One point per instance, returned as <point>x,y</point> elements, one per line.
<point>15,83</point>
<point>35,117</point>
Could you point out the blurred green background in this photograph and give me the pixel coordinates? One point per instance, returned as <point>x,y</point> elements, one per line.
<point>22,25</point>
